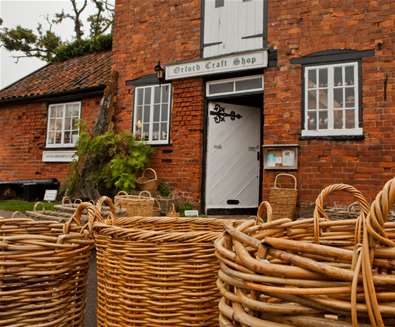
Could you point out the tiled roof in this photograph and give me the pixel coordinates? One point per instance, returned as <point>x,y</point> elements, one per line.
<point>75,74</point>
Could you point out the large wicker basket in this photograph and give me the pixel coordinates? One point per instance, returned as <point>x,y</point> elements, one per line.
<point>157,271</point>
<point>311,272</point>
<point>135,205</point>
<point>43,272</point>
<point>148,181</point>
<point>283,200</point>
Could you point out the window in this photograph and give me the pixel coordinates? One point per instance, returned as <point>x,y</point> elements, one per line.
<point>219,3</point>
<point>331,100</point>
<point>235,86</point>
<point>63,124</point>
<point>151,113</point>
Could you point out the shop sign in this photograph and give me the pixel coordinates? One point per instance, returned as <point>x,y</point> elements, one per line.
<point>223,64</point>
<point>59,156</point>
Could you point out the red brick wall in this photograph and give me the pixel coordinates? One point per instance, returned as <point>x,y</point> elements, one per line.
<point>144,33</point>
<point>23,130</point>
<point>298,28</point>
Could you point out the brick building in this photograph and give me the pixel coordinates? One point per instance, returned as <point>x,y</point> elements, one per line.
<point>40,112</point>
<point>253,88</point>
<point>310,84</point>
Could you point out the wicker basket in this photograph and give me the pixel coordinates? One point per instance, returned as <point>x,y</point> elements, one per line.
<point>43,272</point>
<point>311,272</point>
<point>283,200</point>
<point>148,181</point>
<point>157,271</point>
<point>135,205</point>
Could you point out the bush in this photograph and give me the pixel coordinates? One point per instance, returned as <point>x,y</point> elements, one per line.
<point>115,161</point>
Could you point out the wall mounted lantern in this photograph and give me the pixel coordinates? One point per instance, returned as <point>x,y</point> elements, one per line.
<point>160,72</point>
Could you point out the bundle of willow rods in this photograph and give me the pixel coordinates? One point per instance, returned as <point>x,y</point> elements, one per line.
<point>311,272</point>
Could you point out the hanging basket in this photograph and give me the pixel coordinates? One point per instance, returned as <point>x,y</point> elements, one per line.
<point>157,271</point>
<point>148,181</point>
<point>135,205</point>
<point>43,272</point>
<point>283,200</point>
<point>311,272</point>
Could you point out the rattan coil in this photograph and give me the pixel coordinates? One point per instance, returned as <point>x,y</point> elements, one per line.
<point>157,271</point>
<point>311,272</point>
<point>43,272</point>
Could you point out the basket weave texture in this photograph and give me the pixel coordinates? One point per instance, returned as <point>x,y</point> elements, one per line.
<point>148,181</point>
<point>311,272</point>
<point>157,271</point>
<point>43,272</point>
<point>283,200</point>
<point>135,205</point>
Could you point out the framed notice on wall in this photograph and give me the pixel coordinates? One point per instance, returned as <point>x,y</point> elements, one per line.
<point>280,156</point>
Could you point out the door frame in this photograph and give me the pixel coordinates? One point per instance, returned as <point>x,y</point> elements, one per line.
<point>235,211</point>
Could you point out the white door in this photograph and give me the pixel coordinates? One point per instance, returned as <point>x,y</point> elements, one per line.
<point>233,145</point>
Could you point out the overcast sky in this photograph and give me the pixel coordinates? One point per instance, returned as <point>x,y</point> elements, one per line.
<point>28,13</point>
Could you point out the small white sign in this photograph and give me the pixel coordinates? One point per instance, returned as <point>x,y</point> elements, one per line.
<point>242,61</point>
<point>59,156</point>
<point>191,213</point>
<point>50,195</point>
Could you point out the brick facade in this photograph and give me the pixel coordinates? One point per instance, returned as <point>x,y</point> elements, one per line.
<point>23,135</point>
<point>169,31</point>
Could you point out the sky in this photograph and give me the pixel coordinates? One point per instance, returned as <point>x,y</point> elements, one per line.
<point>28,13</point>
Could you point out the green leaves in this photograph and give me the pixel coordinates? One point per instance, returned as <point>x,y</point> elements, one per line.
<point>118,160</point>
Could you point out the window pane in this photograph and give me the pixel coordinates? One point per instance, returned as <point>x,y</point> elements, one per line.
<point>145,134</point>
<point>165,93</point>
<point>75,123</point>
<point>350,118</point>
<point>58,137</point>
<point>338,98</point>
<point>157,94</point>
<point>323,99</point>
<point>140,96</point>
<point>350,97</point>
<point>139,113</point>
<point>67,124</point>
<point>165,113</point>
<point>155,131</point>
<point>51,137</point>
<point>323,119</point>
<point>163,131</point>
<point>349,75</point>
<point>221,88</point>
<point>338,76</point>
<point>146,114</point>
<point>312,120</point>
<point>147,95</point>
<point>52,124</point>
<point>338,119</point>
<point>312,99</point>
<point>59,111</point>
<point>156,112</point>
<point>312,79</point>
<point>69,112</point>
<point>67,137</point>
<point>323,75</point>
<point>58,124</point>
<point>249,84</point>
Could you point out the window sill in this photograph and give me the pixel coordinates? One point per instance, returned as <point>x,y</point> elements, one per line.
<point>333,137</point>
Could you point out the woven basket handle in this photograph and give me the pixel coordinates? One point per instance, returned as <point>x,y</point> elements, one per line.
<point>153,172</point>
<point>265,205</point>
<point>122,193</point>
<point>105,200</point>
<point>37,205</point>
<point>77,201</point>
<point>66,200</point>
<point>76,217</point>
<point>287,175</point>
<point>145,194</point>
<point>378,214</point>
<point>319,211</point>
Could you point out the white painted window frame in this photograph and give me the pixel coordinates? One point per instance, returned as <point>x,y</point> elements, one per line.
<point>330,131</point>
<point>151,118</point>
<point>62,144</point>
<point>234,80</point>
